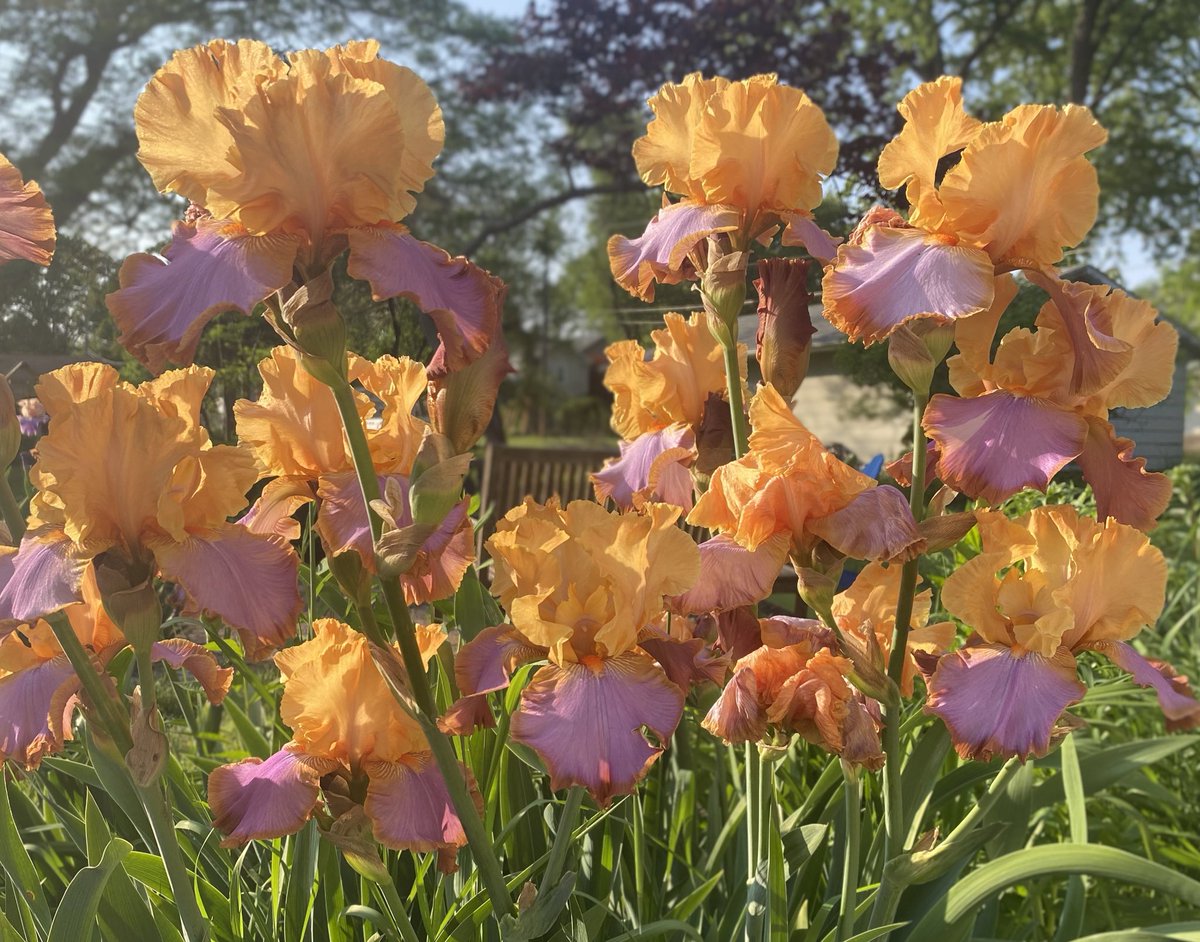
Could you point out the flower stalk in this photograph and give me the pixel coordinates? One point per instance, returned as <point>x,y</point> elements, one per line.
<point>482,849</point>
<point>852,799</point>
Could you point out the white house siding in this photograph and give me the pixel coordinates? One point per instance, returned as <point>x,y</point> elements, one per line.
<point>1159,430</point>
<point>824,403</point>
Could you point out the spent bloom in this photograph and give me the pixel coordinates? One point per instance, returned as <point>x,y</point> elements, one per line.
<point>1035,405</point>
<point>294,432</point>
<point>352,744</point>
<point>745,158</point>
<point>798,682</point>
<point>26,223</point>
<point>288,164</point>
<point>660,406</point>
<point>1047,587</point>
<point>127,477</point>
<point>582,587</point>
<point>1020,192</point>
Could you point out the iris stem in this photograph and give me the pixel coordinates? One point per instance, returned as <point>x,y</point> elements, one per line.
<point>397,911</point>
<point>737,408</point>
<point>852,798</point>
<point>158,810</point>
<point>478,839</point>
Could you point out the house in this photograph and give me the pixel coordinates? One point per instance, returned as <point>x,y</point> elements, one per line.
<point>22,370</point>
<point>839,411</point>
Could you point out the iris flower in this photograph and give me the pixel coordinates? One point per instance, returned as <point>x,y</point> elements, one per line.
<point>39,689</point>
<point>294,432</point>
<point>787,495</point>
<point>797,682</point>
<point>26,223</point>
<point>744,157</point>
<point>659,407</point>
<point>288,164</point>
<point>1046,588</point>
<point>1036,404</point>
<point>1019,192</point>
<point>127,476</point>
<point>352,743</point>
<point>581,587</point>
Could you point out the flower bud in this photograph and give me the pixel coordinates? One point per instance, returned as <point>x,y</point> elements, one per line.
<point>10,426</point>
<point>128,595</point>
<point>785,328</point>
<point>437,480</point>
<point>723,287</point>
<point>317,328</point>
<point>461,401</point>
<point>915,350</point>
<point>351,833</point>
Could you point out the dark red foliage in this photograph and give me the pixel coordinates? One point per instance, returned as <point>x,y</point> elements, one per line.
<point>593,64</point>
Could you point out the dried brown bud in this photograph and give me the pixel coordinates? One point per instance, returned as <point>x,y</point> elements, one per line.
<point>785,328</point>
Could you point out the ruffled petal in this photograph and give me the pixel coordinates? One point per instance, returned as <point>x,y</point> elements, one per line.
<point>897,275</point>
<point>343,521</point>
<point>36,704</point>
<point>658,254</point>
<point>249,581</point>
<point>271,514</point>
<point>463,299</point>
<point>876,524</point>
<point>996,703</point>
<point>41,577</point>
<point>737,716</point>
<point>1124,489</point>
<point>26,223</point>
<point>181,654</point>
<point>1175,696</point>
<point>686,661</point>
<point>443,559</point>
<point>732,576</point>
<point>258,799</point>
<point>410,807</point>
<point>485,664</point>
<point>210,267</point>
<point>654,466</point>
<point>738,632</point>
<point>585,721</point>
<point>802,229</point>
<point>995,445</point>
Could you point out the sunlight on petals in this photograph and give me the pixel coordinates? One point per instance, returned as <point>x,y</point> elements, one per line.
<point>208,268</point>
<point>257,799</point>
<point>659,253</point>
<point>26,223</point>
<point>586,722</point>
<point>897,275</point>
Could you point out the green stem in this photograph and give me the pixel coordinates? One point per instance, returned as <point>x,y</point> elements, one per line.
<point>754,773</point>
<point>158,810</point>
<point>562,839</point>
<point>483,851</point>
<point>893,787</point>
<point>850,862</point>
<point>11,508</point>
<point>101,695</point>
<point>397,911</point>
<point>737,409</point>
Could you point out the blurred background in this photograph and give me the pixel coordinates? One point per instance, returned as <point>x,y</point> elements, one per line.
<point>542,104</point>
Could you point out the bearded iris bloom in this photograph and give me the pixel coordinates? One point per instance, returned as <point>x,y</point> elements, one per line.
<point>39,689</point>
<point>288,164</point>
<point>127,477</point>
<point>26,223</point>
<point>787,495</point>
<point>1036,404</point>
<point>659,408</point>
<point>745,158</point>
<point>1046,588</point>
<point>583,587</point>
<point>1020,192</point>
<point>294,432</point>
<point>352,744</point>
